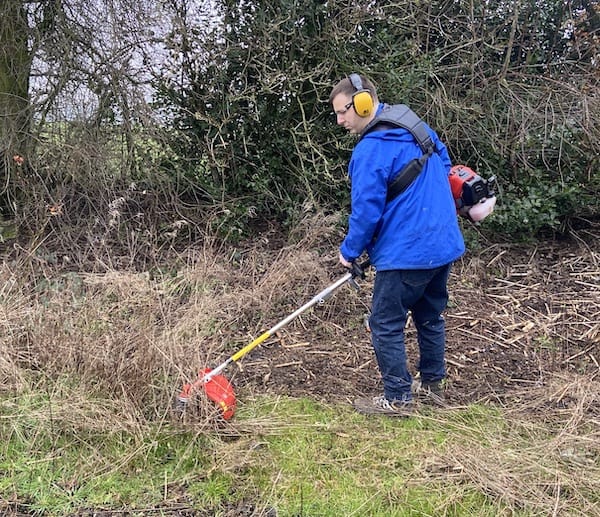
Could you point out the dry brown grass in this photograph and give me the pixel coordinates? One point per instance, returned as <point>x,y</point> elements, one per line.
<point>136,337</point>
<point>538,458</point>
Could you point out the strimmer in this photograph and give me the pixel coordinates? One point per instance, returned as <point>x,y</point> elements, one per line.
<point>218,388</point>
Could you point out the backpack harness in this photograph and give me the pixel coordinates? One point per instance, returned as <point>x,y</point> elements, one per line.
<point>400,115</point>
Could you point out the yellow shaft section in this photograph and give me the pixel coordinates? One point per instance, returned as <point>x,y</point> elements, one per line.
<point>241,353</point>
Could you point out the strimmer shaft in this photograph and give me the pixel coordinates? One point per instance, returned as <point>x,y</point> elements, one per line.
<point>319,298</point>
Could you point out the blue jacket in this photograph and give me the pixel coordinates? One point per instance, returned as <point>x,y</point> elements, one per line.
<point>416,230</point>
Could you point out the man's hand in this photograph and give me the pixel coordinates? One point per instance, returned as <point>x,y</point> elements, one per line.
<point>344,262</point>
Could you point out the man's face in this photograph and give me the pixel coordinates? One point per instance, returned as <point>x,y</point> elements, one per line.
<point>346,114</point>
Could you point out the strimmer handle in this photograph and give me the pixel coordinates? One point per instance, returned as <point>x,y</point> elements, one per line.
<point>358,270</point>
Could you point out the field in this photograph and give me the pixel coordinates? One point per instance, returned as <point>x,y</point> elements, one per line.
<point>91,361</point>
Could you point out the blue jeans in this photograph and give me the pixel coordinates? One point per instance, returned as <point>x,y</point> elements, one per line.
<point>424,292</point>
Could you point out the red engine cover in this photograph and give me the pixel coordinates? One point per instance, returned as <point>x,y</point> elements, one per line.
<point>459,175</point>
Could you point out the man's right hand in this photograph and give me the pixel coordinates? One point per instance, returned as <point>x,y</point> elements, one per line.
<point>344,262</point>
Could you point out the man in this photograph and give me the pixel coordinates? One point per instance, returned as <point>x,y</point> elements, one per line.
<point>411,240</point>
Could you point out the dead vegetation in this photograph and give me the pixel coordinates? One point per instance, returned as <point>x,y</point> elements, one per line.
<point>516,315</point>
<point>532,312</point>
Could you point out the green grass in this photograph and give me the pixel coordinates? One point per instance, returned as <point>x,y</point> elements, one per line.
<point>296,456</point>
<point>333,461</point>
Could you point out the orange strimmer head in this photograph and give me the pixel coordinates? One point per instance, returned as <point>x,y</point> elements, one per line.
<point>220,391</point>
<point>217,388</point>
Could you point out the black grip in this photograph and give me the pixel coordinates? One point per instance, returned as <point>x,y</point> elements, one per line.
<point>358,270</point>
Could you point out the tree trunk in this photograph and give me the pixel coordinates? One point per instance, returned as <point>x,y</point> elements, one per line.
<point>15,67</point>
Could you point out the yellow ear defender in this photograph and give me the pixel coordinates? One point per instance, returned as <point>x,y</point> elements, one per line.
<point>361,99</point>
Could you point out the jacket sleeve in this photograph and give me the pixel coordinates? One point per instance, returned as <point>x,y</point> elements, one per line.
<point>369,176</point>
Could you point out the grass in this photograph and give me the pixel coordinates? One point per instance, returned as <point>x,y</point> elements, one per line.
<point>289,456</point>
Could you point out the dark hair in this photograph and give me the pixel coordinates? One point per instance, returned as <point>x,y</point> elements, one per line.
<point>345,86</point>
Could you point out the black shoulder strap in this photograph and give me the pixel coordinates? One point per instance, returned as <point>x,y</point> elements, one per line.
<point>400,115</point>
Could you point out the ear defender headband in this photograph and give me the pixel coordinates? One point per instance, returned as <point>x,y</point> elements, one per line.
<point>362,99</point>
